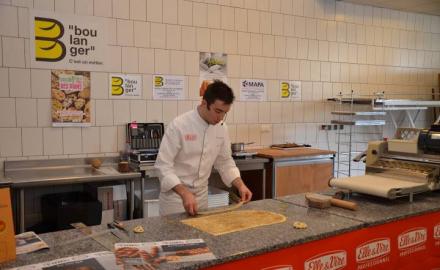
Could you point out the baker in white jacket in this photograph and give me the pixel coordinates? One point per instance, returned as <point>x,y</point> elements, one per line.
<point>193,143</point>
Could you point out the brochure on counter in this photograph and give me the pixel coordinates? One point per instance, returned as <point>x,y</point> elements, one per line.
<point>127,256</point>
<point>104,260</point>
<point>28,242</point>
<point>151,254</point>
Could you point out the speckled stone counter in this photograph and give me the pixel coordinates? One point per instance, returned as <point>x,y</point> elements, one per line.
<point>374,210</point>
<point>226,248</point>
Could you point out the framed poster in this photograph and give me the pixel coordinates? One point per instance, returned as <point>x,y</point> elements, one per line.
<point>70,98</point>
<point>213,66</point>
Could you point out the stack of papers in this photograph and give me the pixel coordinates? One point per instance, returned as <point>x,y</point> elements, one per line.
<point>28,242</point>
<point>217,197</point>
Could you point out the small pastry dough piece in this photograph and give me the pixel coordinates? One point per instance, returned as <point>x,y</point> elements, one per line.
<point>299,225</point>
<point>138,229</point>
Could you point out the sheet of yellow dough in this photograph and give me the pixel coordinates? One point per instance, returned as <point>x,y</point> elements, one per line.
<point>234,221</point>
<point>378,186</point>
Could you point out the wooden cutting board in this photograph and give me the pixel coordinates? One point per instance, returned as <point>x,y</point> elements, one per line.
<point>234,221</point>
<point>295,152</point>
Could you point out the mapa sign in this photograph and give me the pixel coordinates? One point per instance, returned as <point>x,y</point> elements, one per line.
<point>62,41</point>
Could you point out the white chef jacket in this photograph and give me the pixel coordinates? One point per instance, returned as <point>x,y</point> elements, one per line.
<point>189,150</point>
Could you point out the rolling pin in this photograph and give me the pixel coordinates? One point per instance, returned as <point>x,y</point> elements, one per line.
<point>323,201</point>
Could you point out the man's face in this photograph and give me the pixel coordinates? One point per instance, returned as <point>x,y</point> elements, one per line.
<point>216,111</point>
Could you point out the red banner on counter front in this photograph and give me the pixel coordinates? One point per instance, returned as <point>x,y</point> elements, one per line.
<point>411,243</point>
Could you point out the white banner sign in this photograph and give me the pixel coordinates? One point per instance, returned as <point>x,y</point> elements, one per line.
<point>290,90</point>
<point>168,87</point>
<point>125,86</point>
<point>252,90</point>
<point>65,41</point>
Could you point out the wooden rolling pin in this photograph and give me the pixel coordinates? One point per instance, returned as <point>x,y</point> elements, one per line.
<point>323,201</point>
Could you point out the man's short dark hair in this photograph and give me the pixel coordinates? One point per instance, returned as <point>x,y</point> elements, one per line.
<point>218,90</point>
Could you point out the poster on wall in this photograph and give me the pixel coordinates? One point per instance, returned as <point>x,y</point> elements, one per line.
<point>124,86</point>
<point>290,90</point>
<point>167,87</point>
<point>213,66</point>
<point>252,90</point>
<point>65,41</point>
<point>70,98</point>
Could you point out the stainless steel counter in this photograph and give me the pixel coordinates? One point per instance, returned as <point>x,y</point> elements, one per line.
<point>21,175</point>
<point>248,164</point>
<point>256,163</point>
<point>4,182</point>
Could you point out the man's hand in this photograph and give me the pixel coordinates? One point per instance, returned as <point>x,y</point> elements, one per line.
<point>245,193</point>
<point>188,199</point>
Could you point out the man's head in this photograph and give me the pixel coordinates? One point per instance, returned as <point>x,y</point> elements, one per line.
<point>216,102</point>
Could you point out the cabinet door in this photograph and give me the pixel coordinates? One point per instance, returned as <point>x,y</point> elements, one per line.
<point>304,177</point>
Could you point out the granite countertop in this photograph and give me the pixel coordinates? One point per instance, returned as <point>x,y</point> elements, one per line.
<point>233,246</point>
<point>226,247</point>
<point>375,210</point>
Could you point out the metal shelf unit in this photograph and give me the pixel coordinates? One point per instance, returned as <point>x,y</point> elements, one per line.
<point>358,127</point>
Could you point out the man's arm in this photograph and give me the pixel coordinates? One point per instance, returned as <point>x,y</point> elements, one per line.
<point>189,200</point>
<point>245,193</point>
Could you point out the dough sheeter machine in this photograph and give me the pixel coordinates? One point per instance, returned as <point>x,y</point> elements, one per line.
<point>404,166</point>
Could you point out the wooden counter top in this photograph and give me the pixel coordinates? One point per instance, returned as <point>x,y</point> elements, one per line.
<point>295,152</point>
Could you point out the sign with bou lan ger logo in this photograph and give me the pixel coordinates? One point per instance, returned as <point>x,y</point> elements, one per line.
<point>64,41</point>
<point>125,86</point>
<point>168,87</point>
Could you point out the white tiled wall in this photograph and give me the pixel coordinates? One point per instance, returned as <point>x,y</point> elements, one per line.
<point>330,46</point>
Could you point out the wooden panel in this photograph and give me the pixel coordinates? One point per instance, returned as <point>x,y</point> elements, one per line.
<point>302,178</point>
<point>296,152</point>
<point>322,173</point>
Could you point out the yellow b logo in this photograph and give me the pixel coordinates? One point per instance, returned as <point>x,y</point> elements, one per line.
<point>285,92</point>
<point>48,47</point>
<point>158,81</point>
<point>117,88</point>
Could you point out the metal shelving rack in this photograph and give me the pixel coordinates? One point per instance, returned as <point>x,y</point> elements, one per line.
<point>356,129</point>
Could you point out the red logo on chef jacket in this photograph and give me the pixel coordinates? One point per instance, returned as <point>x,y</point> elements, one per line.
<point>373,252</point>
<point>190,137</point>
<point>332,260</point>
<point>412,240</point>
